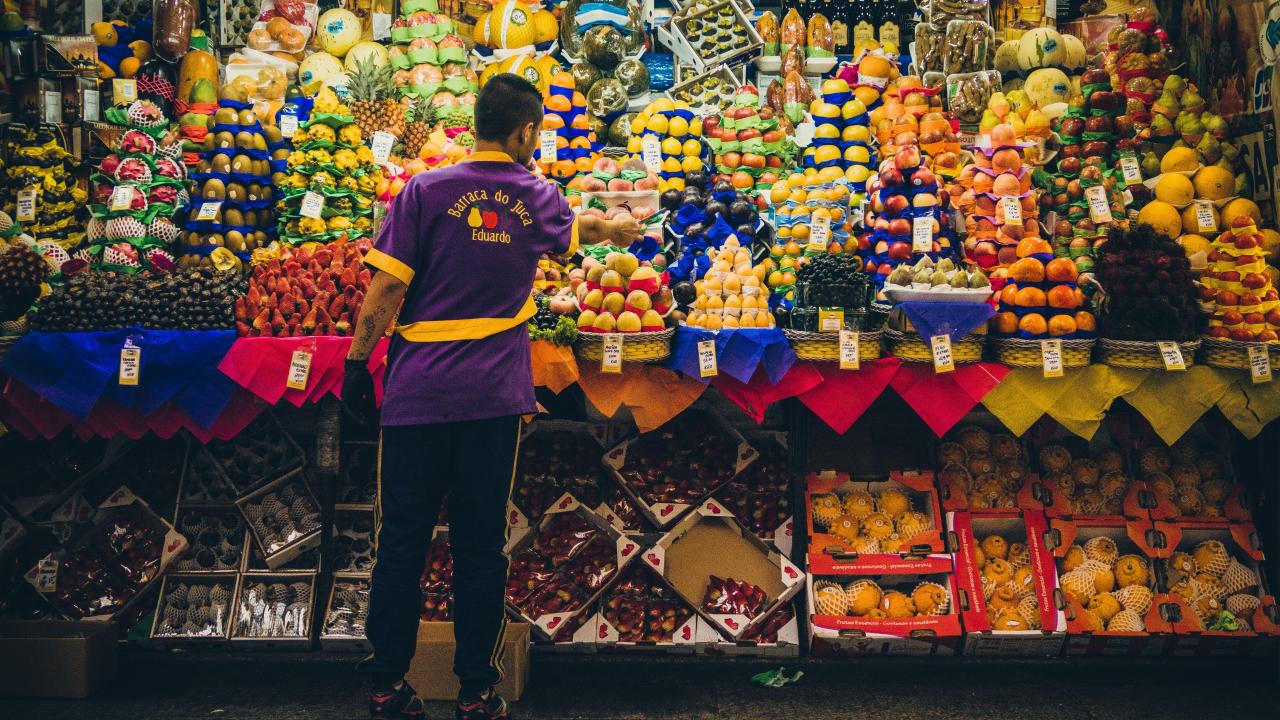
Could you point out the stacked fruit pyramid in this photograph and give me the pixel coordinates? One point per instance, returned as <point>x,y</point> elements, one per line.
<point>1029,124</point>
<point>842,135</point>
<point>1191,205</point>
<point>35,160</point>
<point>1246,305</point>
<point>751,139</point>
<point>233,211</point>
<point>1138,59</point>
<point>731,295</point>
<point>904,194</point>
<point>910,112</point>
<point>1089,134</point>
<point>430,62</point>
<point>512,28</point>
<point>998,203</point>
<point>623,295</point>
<point>137,191</point>
<point>330,159</point>
<point>679,133</point>
<point>565,114</point>
<point>812,199</point>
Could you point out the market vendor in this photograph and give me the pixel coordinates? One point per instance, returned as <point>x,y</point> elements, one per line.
<point>459,247</point>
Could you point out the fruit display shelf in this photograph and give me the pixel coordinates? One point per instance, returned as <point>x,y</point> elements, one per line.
<point>558,457</point>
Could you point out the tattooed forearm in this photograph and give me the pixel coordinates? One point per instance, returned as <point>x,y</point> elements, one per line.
<point>385,294</point>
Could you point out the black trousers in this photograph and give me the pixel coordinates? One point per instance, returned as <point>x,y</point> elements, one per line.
<point>473,464</point>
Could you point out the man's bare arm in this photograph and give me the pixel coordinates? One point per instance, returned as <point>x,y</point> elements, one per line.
<point>376,313</point>
<point>621,231</point>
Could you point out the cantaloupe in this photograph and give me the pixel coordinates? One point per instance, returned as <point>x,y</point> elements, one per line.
<point>1041,47</point>
<point>1047,86</point>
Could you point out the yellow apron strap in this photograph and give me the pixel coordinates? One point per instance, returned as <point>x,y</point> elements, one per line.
<point>473,329</point>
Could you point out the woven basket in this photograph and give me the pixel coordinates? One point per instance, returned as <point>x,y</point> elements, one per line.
<point>913,348</point>
<point>1141,355</point>
<point>641,347</point>
<point>1234,355</point>
<point>825,347</point>
<point>7,342</point>
<point>1016,352</point>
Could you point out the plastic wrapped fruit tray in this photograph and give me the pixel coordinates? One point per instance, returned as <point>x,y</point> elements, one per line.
<point>261,452</point>
<point>194,609</point>
<point>346,614</point>
<point>273,611</point>
<point>217,537</point>
<point>283,518</point>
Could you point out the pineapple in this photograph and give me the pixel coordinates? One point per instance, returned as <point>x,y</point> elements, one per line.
<point>418,130</point>
<point>371,98</point>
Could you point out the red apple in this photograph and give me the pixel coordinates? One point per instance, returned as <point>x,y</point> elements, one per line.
<point>1254,281</point>
<point>1268,335</point>
<point>710,123</point>
<point>896,204</point>
<point>772,136</point>
<point>752,160</point>
<point>732,159</point>
<point>748,134</point>
<point>899,251</point>
<point>899,227</point>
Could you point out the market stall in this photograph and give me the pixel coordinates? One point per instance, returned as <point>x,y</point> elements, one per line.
<point>953,328</point>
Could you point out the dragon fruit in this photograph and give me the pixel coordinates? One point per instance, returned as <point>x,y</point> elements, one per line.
<point>166,167</point>
<point>109,164</point>
<point>122,254</point>
<point>163,194</point>
<point>133,170</point>
<point>163,230</point>
<point>145,114</point>
<point>161,260</point>
<point>123,228</point>
<point>137,142</point>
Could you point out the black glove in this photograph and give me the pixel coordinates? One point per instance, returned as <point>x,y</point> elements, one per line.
<point>357,393</point>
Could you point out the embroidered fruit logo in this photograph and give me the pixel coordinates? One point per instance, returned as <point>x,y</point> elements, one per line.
<point>488,218</point>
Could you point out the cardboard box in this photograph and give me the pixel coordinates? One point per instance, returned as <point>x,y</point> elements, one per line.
<point>970,456</point>
<point>203,480</point>
<point>578,635</point>
<point>532,494</point>
<point>343,628</point>
<point>56,659</point>
<point>358,474</point>
<point>255,627</point>
<point>259,454</point>
<point>708,542</point>
<point>851,635</point>
<point>162,638</point>
<point>648,604</point>
<point>981,638</point>
<point>761,641</point>
<point>431,672</point>
<point>675,37</point>
<point>825,547</point>
<point>760,497</point>
<point>1056,498</point>
<point>1191,638</point>
<point>281,550</point>
<point>1132,537</point>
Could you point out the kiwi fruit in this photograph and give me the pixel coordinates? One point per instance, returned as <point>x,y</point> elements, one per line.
<point>280,154</point>
<point>242,164</point>
<point>232,216</point>
<point>248,118</point>
<point>244,140</point>
<point>203,166</point>
<point>208,144</point>
<point>214,189</point>
<point>251,218</point>
<point>214,240</point>
<point>224,116</point>
<point>236,192</point>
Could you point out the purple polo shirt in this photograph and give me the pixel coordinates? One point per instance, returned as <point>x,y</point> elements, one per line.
<point>466,239</point>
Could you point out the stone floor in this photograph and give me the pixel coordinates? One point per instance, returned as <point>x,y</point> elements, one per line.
<point>323,687</point>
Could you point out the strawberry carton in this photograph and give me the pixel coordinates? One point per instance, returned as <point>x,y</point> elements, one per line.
<point>1217,587</point>
<point>760,497</point>
<point>640,611</point>
<point>729,576</point>
<point>1106,574</point>
<point>670,470</point>
<point>897,613</point>
<point>861,524</point>
<point>777,637</point>
<point>1009,600</point>
<point>563,565</point>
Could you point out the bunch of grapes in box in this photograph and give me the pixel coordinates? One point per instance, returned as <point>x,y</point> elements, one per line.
<point>832,293</point>
<point>642,609</point>
<point>751,139</point>
<point>329,192</point>
<point>761,496</point>
<point>1245,304</point>
<point>1084,188</point>
<point>138,190</point>
<point>982,470</point>
<point>908,213</point>
<point>576,146</point>
<point>437,582</point>
<point>233,211</point>
<point>1138,60</point>
<point>36,163</point>
<point>623,294</point>
<point>1151,291</point>
<point>680,156</point>
<point>429,63</point>
<point>730,295</point>
<point>1111,591</point>
<point>308,290</point>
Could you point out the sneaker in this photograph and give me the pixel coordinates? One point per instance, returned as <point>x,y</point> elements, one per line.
<point>396,704</point>
<point>487,706</point>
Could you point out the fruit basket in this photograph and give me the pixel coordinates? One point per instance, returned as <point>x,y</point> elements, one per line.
<point>911,347</point>
<point>1214,352</point>
<point>825,346</point>
<point>1016,352</point>
<point>641,347</point>
<point>1142,355</point>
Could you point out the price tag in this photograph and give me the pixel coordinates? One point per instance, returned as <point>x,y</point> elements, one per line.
<point>611,354</point>
<point>130,363</point>
<point>943,362</point>
<point>312,205</point>
<point>707,359</point>
<point>380,145</point>
<point>124,90</point>
<point>967,139</point>
<point>820,234</point>
<point>1099,208</point>
<point>299,370</point>
<point>122,197</point>
<point>922,235</point>
<point>1172,356</point>
<point>1051,358</point>
<point>830,319</point>
<point>288,125</point>
<point>1130,170</point>
<point>548,151</point>
<point>1012,210</point>
<point>27,205</point>
<point>651,151</point>
<point>863,32</point>
<point>849,350</point>
<point>889,34</point>
<point>209,210</point>
<point>1204,216</point>
<point>1259,364</point>
<point>92,109</point>
<point>47,576</point>
<point>52,107</point>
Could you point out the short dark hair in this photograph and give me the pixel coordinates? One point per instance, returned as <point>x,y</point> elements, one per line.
<point>506,103</point>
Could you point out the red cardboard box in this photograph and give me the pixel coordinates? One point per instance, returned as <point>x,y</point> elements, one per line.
<point>852,635</point>
<point>826,547</point>
<point>776,637</point>
<point>980,637</point>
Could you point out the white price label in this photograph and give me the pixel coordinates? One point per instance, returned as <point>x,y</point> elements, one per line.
<point>130,363</point>
<point>209,210</point>
<point>922,235</point>
<point>1204,216</point>
<point>820,234</point>
<point>52,107</point>
<point>1130,170</point>
<point>849,350</point>
<point>1259,364</point>
<point>1099,208</point>
<point>124,90</point>
<point>380,145</point>
<point>707,359</point>
<point>967,139</point>
<point>611,353</point>
<point>122,197</point>
<point>288,125</point>
<point>47,576</point>
<point>1012,209</point>
<point>312,205</point>
<point>27,200</point>
<point>1172,356</point>
<point>299,370</point>
<point>651,151</point>
<point>548,152</point>
<point>943,361</point>
<point>1051,358</point>
<point>92,109</point>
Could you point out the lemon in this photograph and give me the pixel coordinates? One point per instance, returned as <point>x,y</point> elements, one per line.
<point>677,127</point>
<point>691,164</point>
<point>658,123</point>
<point>672,146</point>
<point>692,148</point>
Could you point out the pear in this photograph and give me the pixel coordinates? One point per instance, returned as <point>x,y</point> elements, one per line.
<point>900,276</point>
<point>978,280</point>
<point>1191,100</point>
<point>922,277</point>
<point>1175,84</point>
<point>925,263</point>
<point>1150,164</point>
<point>1192,131</point>
<point>946,265</point>
<point>1216,125</point>
<point>989,119</point>
<point>938,278</point>
<point>1160,125</point>
<point>960,280</point>
<point>1209,148</point>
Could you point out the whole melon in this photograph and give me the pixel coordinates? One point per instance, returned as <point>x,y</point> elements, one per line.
<point>1041,47</point>
<point>634,76</point>
<point>584,76</point>
<point>1076,55</point>
<point>1047,86</point>
<point>339,31</point>
<point>606,99</point>
<point>604,47</point>
<point>1006,60</point>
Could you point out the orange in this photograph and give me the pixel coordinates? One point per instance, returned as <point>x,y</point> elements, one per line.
<point>579,100</point>
<point>1009,295</point>
<point>742,180</point>
<point>552,122</point>
<point>559,103</point>
<point>1061,325</point>
<point>563,169</point>
<point>1062,296</point>
<point>1027,270</point>
<point>580,123</point>
<point>1033,323</point>
<point>584,164</point>
<point>1085,322</point>
<point>1005,323</point>
<point>1030,297</point>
